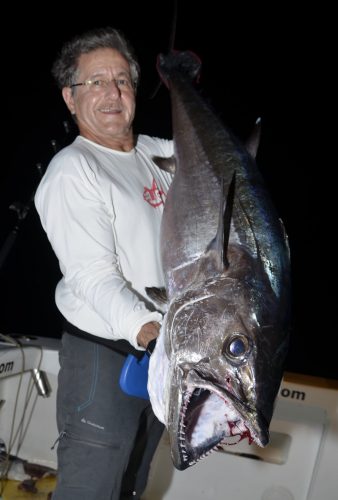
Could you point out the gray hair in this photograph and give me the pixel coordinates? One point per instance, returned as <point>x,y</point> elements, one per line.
<point>65,66</point>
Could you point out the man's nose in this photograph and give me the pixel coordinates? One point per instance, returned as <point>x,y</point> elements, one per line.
<point>112,87</point>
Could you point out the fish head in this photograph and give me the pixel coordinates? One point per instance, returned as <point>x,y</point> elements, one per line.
<point>226,355</point>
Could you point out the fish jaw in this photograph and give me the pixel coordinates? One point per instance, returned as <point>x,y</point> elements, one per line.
<point>214,398</point>
<point>208,417</point>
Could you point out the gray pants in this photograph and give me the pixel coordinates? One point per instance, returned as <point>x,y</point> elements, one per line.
<point>107,439</point>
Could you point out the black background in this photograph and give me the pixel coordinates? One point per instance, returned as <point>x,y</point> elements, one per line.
<point>269,62</point>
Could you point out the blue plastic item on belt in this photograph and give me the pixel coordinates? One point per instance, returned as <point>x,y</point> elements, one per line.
<point>134,376</point>
<point>134,373</point>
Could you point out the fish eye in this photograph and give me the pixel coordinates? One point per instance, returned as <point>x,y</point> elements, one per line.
<point>237,347</point>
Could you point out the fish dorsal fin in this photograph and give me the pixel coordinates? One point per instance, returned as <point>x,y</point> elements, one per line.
<point>219,244</point>
<point>167,164</point>
<point>252,143</point>
<point>227,216</point>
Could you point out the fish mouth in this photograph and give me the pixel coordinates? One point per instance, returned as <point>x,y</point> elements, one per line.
<point>210,417</point>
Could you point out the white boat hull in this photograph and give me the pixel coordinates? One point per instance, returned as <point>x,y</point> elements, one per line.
<point>300,463</point>
<point>27,418</point>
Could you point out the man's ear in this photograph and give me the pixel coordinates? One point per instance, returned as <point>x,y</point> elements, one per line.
<point>67,95</point>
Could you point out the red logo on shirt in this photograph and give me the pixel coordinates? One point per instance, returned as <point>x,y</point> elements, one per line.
<point>155,196</point>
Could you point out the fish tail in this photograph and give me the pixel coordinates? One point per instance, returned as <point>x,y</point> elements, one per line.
<point>186,63</point>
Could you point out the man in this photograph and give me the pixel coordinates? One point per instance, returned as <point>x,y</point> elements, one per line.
<point>100,203</point>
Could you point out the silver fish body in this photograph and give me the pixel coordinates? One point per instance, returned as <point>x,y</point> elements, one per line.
<point>225,332</point>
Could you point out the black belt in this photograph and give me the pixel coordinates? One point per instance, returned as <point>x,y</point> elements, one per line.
<point>122,346</point>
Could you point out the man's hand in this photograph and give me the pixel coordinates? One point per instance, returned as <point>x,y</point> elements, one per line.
<point>148,332</point>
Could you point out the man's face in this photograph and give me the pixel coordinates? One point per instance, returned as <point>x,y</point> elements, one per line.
<point>105,105</point>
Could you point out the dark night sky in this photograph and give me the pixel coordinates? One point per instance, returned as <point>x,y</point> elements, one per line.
<point>253,64</point>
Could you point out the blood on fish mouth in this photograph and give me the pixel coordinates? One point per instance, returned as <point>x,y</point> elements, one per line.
<point>208,422</point>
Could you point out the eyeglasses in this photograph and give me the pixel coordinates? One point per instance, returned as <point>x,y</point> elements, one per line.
<point>97,85</point>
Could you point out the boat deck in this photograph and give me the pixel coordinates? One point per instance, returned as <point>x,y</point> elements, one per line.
<point>39,490</point>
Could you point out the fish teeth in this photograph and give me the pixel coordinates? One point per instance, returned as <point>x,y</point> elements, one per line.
<point>182,427</point>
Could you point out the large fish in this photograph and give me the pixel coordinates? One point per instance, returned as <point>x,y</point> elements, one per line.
<point>218,363</point>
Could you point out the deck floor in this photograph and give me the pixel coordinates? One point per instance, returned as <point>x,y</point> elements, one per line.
<point>13,490</point>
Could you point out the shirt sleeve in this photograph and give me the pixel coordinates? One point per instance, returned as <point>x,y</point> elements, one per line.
<point>79,227</point>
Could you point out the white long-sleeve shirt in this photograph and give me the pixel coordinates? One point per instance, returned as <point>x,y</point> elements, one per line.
<point>101,210</point>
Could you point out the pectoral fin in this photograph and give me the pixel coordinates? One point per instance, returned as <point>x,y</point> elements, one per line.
<point>158,295</point>
<point>167,164</point>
